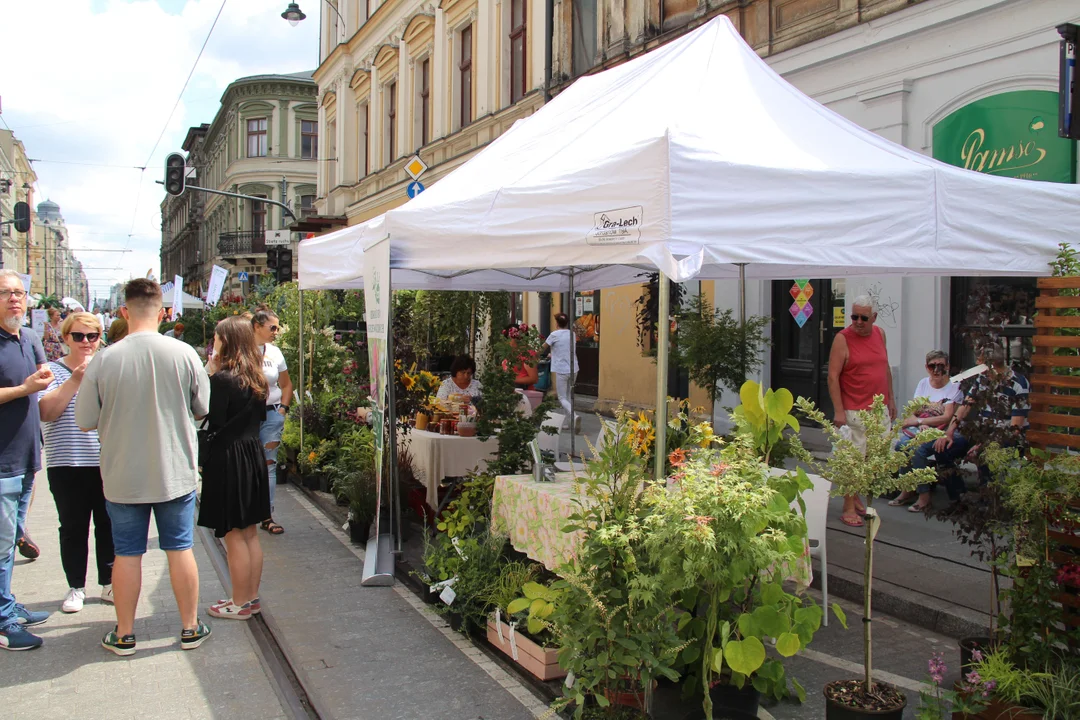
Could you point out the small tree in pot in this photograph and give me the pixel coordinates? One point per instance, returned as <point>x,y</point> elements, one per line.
<point>872,473</point>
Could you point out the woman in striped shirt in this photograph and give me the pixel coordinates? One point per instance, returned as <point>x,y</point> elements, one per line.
<point>73,458</point>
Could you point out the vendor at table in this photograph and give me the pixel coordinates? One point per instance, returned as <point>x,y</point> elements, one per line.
<point>461,380</point>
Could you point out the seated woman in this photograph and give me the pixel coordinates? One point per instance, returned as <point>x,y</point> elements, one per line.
<point>461,380</point>
<point>943,397</point>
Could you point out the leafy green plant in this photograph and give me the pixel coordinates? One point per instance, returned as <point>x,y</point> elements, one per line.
<point>763,418</point>
<point>352,472</point>
<point>872,473</point>
<point>470,511</point>
<point>722,535</point>
<point>717,350</point>
<point>538,602</point>
<point>514,575</point>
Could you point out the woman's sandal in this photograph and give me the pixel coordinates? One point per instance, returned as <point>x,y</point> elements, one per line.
<point>851,521</point>
<point>900,501</point>
<point>271,527</point>
<point>919,508</point>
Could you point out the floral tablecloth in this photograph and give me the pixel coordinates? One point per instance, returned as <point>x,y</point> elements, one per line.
<point>533,514</point>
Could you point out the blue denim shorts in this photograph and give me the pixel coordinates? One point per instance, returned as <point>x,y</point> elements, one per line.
<point>175,522</point>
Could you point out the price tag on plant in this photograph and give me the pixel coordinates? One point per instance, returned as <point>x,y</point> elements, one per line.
<point>447,595</point>
<point>458,548</point>
<point>569,681</point>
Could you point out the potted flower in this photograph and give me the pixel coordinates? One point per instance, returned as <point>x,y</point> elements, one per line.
<point>722,534</point>
<point>872,473</point>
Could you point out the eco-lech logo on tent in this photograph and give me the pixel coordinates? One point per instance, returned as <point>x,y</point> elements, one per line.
<point>616,227</point>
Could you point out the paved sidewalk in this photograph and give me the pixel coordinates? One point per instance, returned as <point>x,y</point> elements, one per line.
<point>73,676</point>
<point>370,653</point>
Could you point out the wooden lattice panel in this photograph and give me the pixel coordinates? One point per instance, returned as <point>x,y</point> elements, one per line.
<point>1051,394</point>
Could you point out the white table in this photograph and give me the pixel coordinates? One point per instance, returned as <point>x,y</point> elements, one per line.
<point>438,456</point>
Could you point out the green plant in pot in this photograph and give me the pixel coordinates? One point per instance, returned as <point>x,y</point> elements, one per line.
<point>723,533</point>
<point>873,473</point>
<point>763,418</point>
<point>352,474</point>
<point>615,617</point>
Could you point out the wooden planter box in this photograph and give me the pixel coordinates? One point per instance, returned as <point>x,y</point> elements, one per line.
<point>540,661</point>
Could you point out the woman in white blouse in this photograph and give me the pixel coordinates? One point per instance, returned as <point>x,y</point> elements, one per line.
<point>461,380</point>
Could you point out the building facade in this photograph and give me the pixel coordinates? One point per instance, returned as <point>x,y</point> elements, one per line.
<point>17,178</point>
<point>54,269</point>
<point>969,82</point>
<point>263,142</point>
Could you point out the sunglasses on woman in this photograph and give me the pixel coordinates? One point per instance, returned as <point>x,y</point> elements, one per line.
<point>88,337</point>
<point>937,367</point>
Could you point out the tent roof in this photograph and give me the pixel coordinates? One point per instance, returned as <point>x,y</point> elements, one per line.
<point>189,302</point>
<point>692,158</point>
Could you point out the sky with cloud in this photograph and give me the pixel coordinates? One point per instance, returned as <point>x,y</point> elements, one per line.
<point>88,87</point>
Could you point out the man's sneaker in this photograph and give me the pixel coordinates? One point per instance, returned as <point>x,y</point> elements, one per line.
<point>14,637</point>
<point>106,594</point>
<point>120,645</point>
<point>191,639</point>
<point>29,618</point>
<point>255,605</point>
<point>28,548</point>
<point>73,602</point>
<point>231,611</point>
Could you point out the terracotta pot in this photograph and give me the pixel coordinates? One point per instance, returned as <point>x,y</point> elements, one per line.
<point>538,660</point>
<point>421,421</point>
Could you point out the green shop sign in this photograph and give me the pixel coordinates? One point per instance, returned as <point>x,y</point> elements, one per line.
<point>1013,134</point>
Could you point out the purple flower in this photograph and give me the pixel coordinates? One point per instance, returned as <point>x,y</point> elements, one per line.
<point>973,678</point>
<point>977,655</point>
<point>937,668</point>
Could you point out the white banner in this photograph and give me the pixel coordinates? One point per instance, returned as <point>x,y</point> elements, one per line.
<point>217,284</point>
<point>377,289</point>
<point>26,282</point>
<point>38,318</point>
<point>178,297</point>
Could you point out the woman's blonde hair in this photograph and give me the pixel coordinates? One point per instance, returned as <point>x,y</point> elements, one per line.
<point>88,319</point>
<point>50,312</point>
<point>117,330</point>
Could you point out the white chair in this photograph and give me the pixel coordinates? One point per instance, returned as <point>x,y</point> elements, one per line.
<point>817,511</point>
<point>547,441</point>
<point>607,428</point>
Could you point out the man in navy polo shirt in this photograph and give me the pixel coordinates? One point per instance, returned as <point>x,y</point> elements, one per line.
<point>23,373</point>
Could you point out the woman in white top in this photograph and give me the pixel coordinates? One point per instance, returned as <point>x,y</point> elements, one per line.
<point>72,459</point>
<point>267,326</point>
<point>943,397</point>
<point>461,380</point>
<point>559,343</point>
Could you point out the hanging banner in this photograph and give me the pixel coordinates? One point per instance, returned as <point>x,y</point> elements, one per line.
<point>217,284</point>
<point>178,297</point>
<point>38,318</point>
<point>26,282</point>
<point>379,561</point>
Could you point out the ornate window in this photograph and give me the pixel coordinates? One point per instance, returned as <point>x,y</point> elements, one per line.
<point>517,50</point>
<point>309,139</point>
<point>391,121</point>
<point>256,137</point>
<point>465,73</point>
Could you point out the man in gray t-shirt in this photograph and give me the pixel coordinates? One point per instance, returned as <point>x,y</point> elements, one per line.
<point>143,395</point>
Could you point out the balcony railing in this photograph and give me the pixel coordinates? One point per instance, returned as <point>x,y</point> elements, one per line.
<point>247,242</point>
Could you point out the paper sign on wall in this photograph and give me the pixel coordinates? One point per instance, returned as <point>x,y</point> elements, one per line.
<point>838,319</point>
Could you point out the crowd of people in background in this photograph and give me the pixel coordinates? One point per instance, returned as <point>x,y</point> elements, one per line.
<point>118,423</point>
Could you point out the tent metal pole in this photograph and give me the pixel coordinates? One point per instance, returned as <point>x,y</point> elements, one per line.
<point>742,293</point>
<point>300,382</point>
<point>663,333</point>
<point>573,355</point>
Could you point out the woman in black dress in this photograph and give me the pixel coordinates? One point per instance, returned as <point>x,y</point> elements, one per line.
<point>236,488</point>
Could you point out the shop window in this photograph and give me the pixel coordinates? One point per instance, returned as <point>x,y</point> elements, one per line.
<point>517,50</point>
<point>584,30</point>
<point>309,139</point>
<point>992,310</point>
<point>256,137</point>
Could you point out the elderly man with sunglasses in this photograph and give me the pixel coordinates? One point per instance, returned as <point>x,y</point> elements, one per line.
<point>23,374</point>
<point>942,398</point>
<point>858,372</point>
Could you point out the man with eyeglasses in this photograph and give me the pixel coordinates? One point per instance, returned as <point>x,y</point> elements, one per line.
<point>858,372</point>
<point>23,374</point>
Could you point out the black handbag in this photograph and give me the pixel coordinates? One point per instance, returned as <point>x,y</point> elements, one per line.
<point>206,436</point>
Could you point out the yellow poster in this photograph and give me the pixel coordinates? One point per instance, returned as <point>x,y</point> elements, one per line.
<point>838,320</point>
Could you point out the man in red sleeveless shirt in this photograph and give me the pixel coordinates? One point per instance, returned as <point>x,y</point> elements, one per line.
<point>858,371</point>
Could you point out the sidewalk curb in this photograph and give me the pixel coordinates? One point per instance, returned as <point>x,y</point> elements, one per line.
<point>916,608</point>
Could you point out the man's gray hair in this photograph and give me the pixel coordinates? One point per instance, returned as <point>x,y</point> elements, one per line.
<point>865,300</point>
<point>9,273</point>
<point>992,354</point>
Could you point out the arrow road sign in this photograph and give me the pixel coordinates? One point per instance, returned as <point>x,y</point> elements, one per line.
<point>414,189</point>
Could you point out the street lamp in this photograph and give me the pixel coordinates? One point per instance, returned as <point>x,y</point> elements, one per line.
<point>294,15</point>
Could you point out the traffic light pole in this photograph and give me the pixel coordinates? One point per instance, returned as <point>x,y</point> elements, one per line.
<point>253,198</point>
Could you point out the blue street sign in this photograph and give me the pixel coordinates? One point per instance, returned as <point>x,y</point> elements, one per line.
<point>415,188</point>
<point>243,277</point>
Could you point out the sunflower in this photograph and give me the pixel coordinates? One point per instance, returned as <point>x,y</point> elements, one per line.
<point>408,381</point>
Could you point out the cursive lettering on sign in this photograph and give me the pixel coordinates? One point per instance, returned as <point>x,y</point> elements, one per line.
<point>1022,154</point>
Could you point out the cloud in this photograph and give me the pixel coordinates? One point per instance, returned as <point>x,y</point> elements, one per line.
<point>93,82</point>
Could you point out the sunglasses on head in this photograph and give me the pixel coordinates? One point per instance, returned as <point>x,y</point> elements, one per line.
<point>937,367</point>
<point>89,337</point>
<point>864,318</point>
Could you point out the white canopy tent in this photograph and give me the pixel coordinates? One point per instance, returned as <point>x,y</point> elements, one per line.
<point>698,160</point>
<point>190,302</point>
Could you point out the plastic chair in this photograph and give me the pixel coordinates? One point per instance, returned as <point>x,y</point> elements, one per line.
<point>817,511</point>
<point>546,441</point>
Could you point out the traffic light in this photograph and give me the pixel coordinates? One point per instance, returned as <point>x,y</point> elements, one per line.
<point>284,265</point>
<point>22,217</point>
<point>271,261</point>
<point>175,171</point>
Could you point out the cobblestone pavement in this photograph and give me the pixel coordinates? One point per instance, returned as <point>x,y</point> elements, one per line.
<point>73,676</point>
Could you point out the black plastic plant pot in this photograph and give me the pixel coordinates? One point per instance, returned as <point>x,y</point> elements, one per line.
<point>838,711</point>
<point>730,699</point>
<point>359,531</point>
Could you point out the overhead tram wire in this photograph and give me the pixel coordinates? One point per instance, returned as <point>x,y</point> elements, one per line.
<point>165,127</point>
